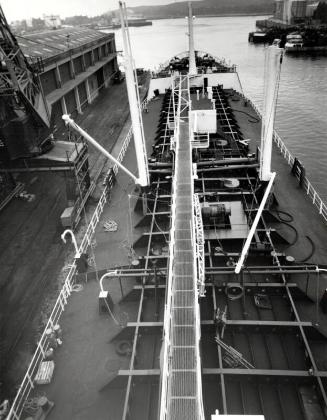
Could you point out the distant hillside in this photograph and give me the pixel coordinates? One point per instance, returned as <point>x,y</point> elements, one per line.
<point>206,7</point>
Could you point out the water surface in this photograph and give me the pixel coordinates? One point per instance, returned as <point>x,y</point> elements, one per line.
<point>302,106</point>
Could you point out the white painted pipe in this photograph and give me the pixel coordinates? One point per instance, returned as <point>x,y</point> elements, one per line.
<point>192,63</point>
<point>136,117</point>
<point>71,233</point>
<point>91,140</point>
<point>247,244</point>
<point>272,65</point>
<point>109,274</point>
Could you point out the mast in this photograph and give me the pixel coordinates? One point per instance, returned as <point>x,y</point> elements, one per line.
<point>134,103</point>
<point>287,13</point>
<point>192,64</point>
<point>271,83</point>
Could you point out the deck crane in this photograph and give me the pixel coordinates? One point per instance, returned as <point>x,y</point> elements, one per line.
<point>24,112</point>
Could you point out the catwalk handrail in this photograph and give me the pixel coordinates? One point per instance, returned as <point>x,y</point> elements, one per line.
<point>27,384</point>
<point>306,184</point>
<point>167,318</point>
<point>167,383</point>
<point>199,243</point>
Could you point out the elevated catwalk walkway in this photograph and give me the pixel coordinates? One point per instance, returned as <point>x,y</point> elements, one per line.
<point>183,382</point>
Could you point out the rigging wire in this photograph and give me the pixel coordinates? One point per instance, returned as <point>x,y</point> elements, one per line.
<point>276,91</point>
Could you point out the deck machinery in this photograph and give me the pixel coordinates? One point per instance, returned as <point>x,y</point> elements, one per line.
<point>254,348</point>
<point>233,339</point>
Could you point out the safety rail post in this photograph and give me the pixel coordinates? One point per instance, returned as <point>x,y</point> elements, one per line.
<point>61,303</point>
<point>15,415</point>
<point>308,188</point>
<point>30,381</point>
<point>41,349</point>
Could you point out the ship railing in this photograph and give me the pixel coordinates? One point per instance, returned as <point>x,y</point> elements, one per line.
<point>222,61</point>
<point>197,314</point>
<point>27,384</point>
<point>305,182</point>
<point>198,286</point>
<point>166,360</point>
<point>200,140</point>
<point>199,245</point>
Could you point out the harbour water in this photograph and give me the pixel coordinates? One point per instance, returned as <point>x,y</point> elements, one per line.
<point>302,103</point>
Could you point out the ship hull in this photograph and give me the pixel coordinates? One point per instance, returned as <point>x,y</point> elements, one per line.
<point>263,334</point>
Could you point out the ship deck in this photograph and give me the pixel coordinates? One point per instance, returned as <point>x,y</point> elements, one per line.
<point>31,251</point>
<point>108,367</point>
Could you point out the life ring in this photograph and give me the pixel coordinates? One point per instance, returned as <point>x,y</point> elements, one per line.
<point>124,348</point>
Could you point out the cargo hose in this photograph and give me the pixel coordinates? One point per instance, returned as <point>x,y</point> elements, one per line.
<point>253,120</point>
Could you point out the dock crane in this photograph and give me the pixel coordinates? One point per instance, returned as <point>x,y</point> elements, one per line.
<point>24,112</point>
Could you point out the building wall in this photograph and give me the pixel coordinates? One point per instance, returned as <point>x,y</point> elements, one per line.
<point>56,114</point>
<point>104,50</point>
<point>65,75</point>
<point>59,75</point>
<point>71,103</point>
<point>88,59</point>
<point>78,65</point>
<point>93,86</point>
<point>289,11</point>
<point>82,95</point>
<point>299,9</point>
<point>48,81</point>
<point>279,8</point>
<point>109,70</point>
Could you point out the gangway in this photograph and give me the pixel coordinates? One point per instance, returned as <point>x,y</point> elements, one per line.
<point>181,387</point>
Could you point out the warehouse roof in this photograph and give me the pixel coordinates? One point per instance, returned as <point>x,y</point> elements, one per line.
<point>53,42</point>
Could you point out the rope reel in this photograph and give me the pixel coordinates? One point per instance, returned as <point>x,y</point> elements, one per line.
<point>234,291</point>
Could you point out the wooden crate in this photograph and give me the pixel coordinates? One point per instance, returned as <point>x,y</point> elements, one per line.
<point>44,373</point>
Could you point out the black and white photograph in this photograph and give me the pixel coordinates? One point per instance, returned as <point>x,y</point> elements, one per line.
<point>163,216</point>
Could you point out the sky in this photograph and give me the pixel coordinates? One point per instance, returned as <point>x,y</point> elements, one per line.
<point>25,9</point>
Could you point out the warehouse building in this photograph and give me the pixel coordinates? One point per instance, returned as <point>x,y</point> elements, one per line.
<point>292,12</point>
<point>74,65</point>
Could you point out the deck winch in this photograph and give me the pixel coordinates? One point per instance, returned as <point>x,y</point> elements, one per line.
<point>216,213</point>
